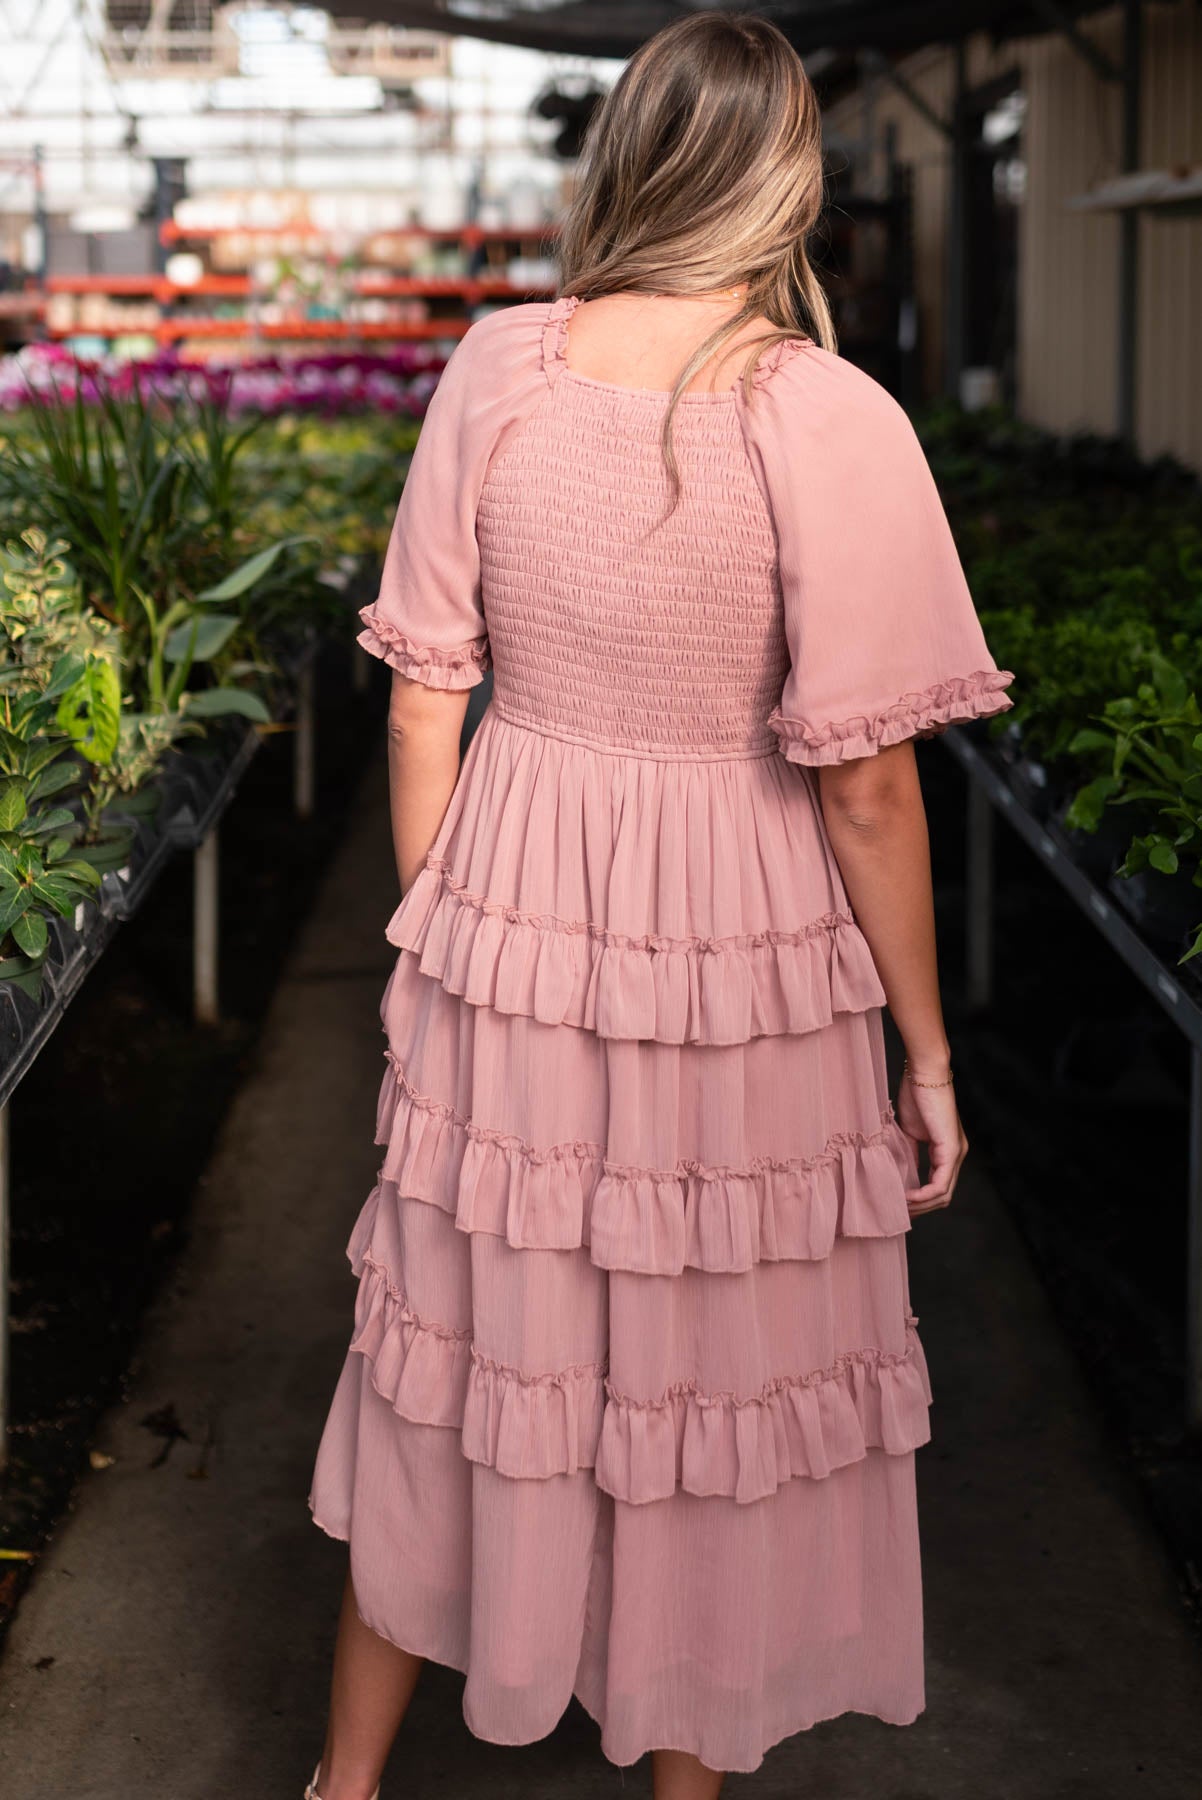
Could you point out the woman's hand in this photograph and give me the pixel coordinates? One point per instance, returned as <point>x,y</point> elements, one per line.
<point>929,1115</point>
<point>872,807</point>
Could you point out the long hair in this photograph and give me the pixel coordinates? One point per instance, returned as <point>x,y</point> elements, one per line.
<point>701,168</point>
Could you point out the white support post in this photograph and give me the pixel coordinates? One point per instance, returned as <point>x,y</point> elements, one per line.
<point>1193,1313</point>
<point>205,917</point>
<point>978,922</point>
<point>5,1276</point>
<point>304,766</point>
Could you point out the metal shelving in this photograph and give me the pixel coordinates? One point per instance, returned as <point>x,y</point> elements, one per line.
<point>197,787</point>
<point>991,792</point>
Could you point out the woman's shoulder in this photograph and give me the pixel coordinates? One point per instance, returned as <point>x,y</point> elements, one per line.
<point>813,402</point>
<point>801,372</point>
<point>817,395</point>
<point>495,371</point>
<point>504,341</point>
<point>492,380</point>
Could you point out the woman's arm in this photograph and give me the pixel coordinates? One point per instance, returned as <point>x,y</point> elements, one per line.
<point>877,825</point>
<point>424,727</point>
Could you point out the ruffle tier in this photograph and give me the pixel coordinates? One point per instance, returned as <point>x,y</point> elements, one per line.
<point>675,991</point>
<point>529,1426</point>
<point>975,696</point>
<point>681,902</point>
<point>639,1219</point>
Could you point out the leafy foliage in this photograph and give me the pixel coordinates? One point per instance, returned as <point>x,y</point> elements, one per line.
<point>150,579</point>
<point>1152,743</point>
<point>1086,566</point>
<point>162,549</point>
<point>159,507</point>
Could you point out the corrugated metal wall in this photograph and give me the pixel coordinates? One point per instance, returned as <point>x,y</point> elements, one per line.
<point>1170,288</point>
<point>1068,260</point>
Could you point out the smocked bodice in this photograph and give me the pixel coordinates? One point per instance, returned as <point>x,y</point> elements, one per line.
<point>608,623</point>
<point>804,593</point>
<point>624,851</point>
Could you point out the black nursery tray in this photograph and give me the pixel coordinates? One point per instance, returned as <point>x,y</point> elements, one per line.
<point>196,789</point>
<point>1106,902</point>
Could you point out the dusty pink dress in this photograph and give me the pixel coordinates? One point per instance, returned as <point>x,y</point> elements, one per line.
<point>634,1389</point>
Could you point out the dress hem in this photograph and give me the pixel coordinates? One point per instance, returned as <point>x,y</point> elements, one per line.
<point>619,1760</point>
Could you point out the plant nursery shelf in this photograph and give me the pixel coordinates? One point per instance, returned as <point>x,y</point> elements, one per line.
<point>1180,994</point>
<point>195,785</point>
<point>238,287</point>
<point>156,286</point>
<point>170,232</point>
<point>450,287</point>
<point>310,328</point>
<point>198,788</point>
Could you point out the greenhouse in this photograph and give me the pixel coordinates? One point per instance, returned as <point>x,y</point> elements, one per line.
<point>736,881</point>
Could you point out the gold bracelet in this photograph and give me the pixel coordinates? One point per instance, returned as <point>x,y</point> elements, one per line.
<point>930,1084</point>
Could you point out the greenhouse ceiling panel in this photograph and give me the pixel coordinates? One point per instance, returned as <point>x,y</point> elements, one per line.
<point>618,27</point>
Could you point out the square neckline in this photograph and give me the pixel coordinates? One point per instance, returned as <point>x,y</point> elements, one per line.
<point>557,366</point>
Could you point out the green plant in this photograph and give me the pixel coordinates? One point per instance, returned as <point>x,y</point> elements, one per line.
<point>160,556</point>
<point>114,479</point>
<point>39,871</point>
<point>1152,740</point>
<point>213,447</point>
<point>1066,670</point>
<point>188,632</point>
<point>156,503</point>
<point>143,740</point>
<point>42,611</point>
<point>339,477</point>
<point>52,646</point>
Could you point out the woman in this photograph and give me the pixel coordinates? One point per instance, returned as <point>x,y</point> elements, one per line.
<point>632,1402</point>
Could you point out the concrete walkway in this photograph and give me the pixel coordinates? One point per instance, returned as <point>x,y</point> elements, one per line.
<point>175,1640</point>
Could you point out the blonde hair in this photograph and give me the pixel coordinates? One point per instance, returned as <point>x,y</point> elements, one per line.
<point>700,169</point>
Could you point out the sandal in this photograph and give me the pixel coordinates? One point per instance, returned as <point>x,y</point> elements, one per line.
<point>311,1792</point>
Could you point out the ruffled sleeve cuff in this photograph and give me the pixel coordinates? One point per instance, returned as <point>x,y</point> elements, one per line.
<point>459,666</point>
<point>975,696</point>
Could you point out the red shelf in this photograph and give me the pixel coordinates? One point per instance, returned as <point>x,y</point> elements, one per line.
<point>309,328</point>
<point>450,287</point>
<point>171,233</point>
<point>236,287</point>
<point>157,287</point>
<point>360,284</point>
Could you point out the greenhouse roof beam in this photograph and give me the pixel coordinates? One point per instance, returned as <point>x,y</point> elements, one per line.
<point>875,63</point>
<point>1060,19</point>
<point>616,28</point>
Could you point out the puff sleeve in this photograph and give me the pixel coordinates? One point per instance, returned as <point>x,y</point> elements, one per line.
<point>884,640</point>
<point>427,619</point>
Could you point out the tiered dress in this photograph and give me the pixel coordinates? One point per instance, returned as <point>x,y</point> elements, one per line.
<point>631,1403</point>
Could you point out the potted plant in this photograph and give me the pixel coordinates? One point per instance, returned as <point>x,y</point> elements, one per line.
<point>1153,742</point>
